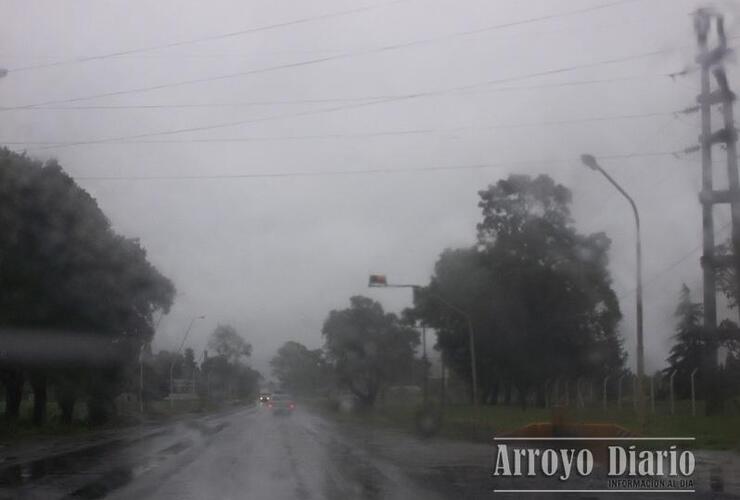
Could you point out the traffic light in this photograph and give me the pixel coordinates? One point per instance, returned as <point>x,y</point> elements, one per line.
<point>377,280</point>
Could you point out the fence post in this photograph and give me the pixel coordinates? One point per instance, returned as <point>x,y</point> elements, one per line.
<point>547,393</point>
<point>652,394</point>
<point>606,379</point>
<point>590,391</point>
<point>556,389</point>
<point>693,394</point>
<point>673,395</point>
<point>634,391</point>
<point>619,391</point>
<point>581,404</point>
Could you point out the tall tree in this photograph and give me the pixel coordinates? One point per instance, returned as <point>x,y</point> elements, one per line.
<point>368,348</point>
<point>226,374</point>
<point>63,270</point>
<point>538,293</point>
<point>227,342</point>
<point>689,348</point>
<point>300,370</point>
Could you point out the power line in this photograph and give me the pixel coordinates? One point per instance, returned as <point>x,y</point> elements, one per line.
<point>319,60</point>
<point>571,83</point>
<point>363,104</point>
<point>231,34</point>
<point>671,266</point>
<point>357,135</point>
<point>369,171</point>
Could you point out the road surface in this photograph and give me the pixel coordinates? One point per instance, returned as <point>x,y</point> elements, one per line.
<point>250,454</point>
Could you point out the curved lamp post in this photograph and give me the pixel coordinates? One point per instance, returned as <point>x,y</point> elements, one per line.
<point>590,162</point>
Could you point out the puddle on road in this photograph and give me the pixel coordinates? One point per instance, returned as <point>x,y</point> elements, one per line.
<point>80,462</point>
<point>63,464</point>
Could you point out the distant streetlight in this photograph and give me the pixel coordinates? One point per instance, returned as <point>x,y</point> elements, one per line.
<point>590,162</point>
<point>380,281</point>
<point>174,359</point>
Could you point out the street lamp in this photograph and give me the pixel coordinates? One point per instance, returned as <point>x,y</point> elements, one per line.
<point>380,281</point>
<point>174,359</point>
<point>591,163</point>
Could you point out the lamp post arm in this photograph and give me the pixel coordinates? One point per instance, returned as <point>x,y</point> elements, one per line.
<point>624,193</point>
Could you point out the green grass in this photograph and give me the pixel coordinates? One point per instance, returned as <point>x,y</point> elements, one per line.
<point>459,422</point>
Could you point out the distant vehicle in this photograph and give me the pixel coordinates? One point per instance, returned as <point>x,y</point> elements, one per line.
<point>264,397</point>
<point>281,404</point>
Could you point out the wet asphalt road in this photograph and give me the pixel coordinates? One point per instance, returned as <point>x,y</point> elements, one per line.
<point>257,455</point>
<point>250,454</point>
<point>247,454</point>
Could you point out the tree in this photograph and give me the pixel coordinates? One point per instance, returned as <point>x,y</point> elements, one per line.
<point>226,374</point>
<point>367,348</point>
<point>689,349</point>
<point>538,293</point>
<point>300,370</point>
<point>189,367</point>
<point>225,341</point>
<point>65,270</point>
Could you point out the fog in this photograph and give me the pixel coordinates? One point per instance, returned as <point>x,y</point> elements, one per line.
<point>278,212</point>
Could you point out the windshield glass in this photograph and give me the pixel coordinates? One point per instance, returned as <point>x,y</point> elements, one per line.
<point>369,249</point>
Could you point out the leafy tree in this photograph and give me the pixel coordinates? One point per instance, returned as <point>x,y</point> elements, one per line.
<point>300,370</point>
<point>368,348</point>
<point>225,341</point>
<point>226,374</point>
<point>224,379</point>
<point>688,351</point>
<point>189,367</point>
<point>65,270</point>
<point>537,292</point>
<point>157,374</point>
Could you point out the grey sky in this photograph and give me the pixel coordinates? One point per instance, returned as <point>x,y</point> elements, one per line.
<point>274,255</point>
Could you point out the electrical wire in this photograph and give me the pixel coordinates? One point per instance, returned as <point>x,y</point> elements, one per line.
<point>671,266</point>
<point>305,20</point>
<point>365,104</point>
<point>358,135</point>
<point>210,38</point>
<point>380,170</point>
<point>308,62</point>
<point>324,100</point>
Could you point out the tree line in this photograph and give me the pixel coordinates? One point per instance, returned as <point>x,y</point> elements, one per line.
<point>63,269</point>
<point>78,302</point>
<point>536,292</point>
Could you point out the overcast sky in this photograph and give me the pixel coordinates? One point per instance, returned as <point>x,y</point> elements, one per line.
<point>403,85</point>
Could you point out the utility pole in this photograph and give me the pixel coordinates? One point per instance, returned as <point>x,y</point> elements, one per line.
<point>426,363</point>
<point>711,62</point>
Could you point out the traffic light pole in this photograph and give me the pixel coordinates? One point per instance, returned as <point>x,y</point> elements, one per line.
<point>379,281</point>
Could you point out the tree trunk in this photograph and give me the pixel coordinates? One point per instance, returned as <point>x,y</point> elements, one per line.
<point>522,396</point>
<point>507,393</point>
<point>13,380</point>
<point>541,397</point>
<point>66,396</point>
<point>495,389</point>
<point>38,384</point>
